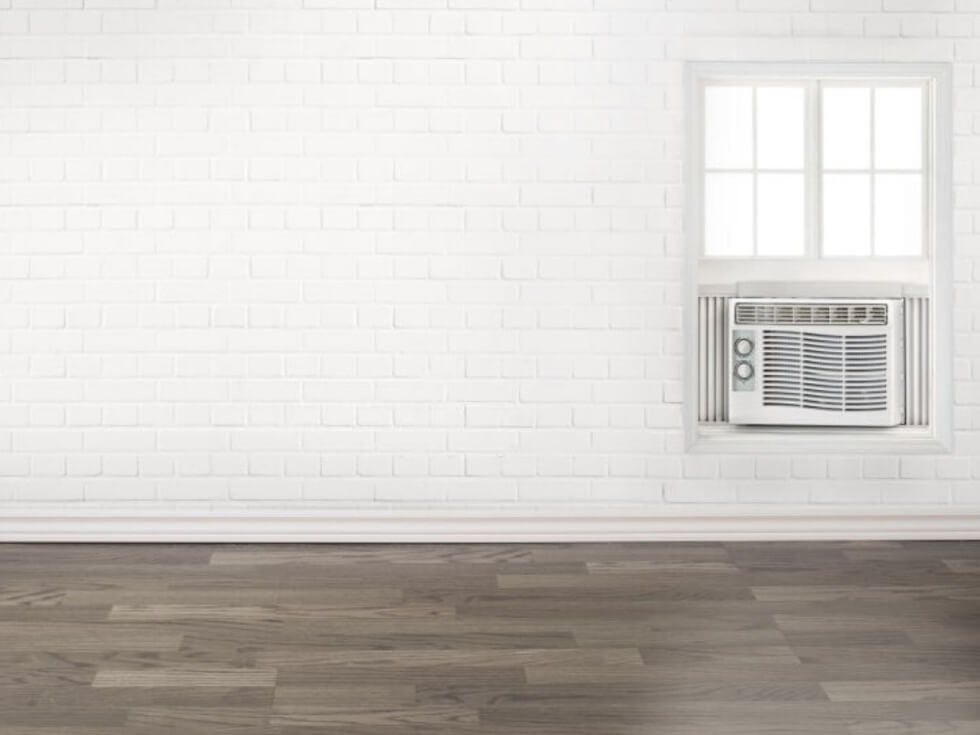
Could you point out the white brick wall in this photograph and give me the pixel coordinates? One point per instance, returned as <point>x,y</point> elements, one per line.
<point>394,252</point>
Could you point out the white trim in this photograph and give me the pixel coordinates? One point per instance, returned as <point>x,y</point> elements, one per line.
<point>690,523</point>
<point>730,271</point>
<point>731,439</point>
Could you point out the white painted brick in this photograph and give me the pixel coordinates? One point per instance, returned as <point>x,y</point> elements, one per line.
<point>774,5</point>
<point>772,492</point>
<point>701,491</point>
<point>15,466</point>
<point>52,490</point>
<point>846,6</point>
<point>700,467</point>
<point>554,491</point>
<point>844,468</point>
<point>118,489</point>
<point>364,253</point>
<point>953,468</point>
<point>880,468</point>
<point>846,493</point>
<point>966,492</point>
<point>771,468</point>
<point>737,468</point>
<point>918,468</point>
<point>809,468</point>
<point>926,6</point>
<point>900,493</point>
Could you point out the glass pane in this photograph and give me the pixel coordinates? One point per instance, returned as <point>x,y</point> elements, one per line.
<point>846,127</point>
<point>898,214</point>
<point>779,127</point>
<point>728,214</point>
<point>846,215</point>
<point>728,127</point>
<point>898,127</point>
<point>780,220</point>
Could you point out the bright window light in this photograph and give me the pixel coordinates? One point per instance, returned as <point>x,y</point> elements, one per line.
<point>728,127</point>
<point>728,208</point>
<point>780,215</point>
<point>846,131</point>
<point>779,127</point>
<point>814,167</point>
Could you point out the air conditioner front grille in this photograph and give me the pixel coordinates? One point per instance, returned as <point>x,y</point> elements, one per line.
<point>814,313</point>
<point>827,372</point>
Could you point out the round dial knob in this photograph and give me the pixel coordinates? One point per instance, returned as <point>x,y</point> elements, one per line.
<point>743,346</point>
<point>744,371</point>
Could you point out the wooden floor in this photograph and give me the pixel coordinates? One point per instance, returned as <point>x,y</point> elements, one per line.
<point>679,639</point>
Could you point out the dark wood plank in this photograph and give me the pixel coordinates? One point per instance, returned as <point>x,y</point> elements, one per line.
<point>924,690</point>
<point>935,727</point>
<point>417,716</point>
<point>185,677</point>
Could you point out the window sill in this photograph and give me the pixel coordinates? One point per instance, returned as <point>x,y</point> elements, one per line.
<point>878,276</point>
<point>726,439</point>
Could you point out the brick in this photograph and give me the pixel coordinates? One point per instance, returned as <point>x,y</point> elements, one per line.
<point>880,468</point>
<point>925,6</point>
<point>845,6</point>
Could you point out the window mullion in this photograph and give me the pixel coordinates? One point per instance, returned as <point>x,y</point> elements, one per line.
<point>755,172</point>
<point>871,142</point>
<point>811,166</point>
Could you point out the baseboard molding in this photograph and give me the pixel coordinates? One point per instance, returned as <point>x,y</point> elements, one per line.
<point>667,524</point>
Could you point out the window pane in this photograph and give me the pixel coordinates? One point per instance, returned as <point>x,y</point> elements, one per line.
<point>846,214</point>
<point>728,214</point>
<point>779,127</point>
<point>846,127</point>
<point>898,127</point>
<point>728,127</point>
<point>898,214</point>
<point>780,219</point>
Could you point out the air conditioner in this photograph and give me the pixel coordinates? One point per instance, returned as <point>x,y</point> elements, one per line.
<point>816,362</point>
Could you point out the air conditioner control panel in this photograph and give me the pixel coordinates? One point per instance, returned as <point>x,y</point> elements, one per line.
<point>743,359</point>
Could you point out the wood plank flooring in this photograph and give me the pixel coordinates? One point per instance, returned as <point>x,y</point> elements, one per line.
<point>869,638</point>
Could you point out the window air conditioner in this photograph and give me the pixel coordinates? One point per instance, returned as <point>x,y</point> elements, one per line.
<point>816,362</point>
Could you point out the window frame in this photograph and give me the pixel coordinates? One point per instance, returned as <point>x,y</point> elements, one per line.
<point>933,271</point>
<point>926,158</point>
<point>813,78</point>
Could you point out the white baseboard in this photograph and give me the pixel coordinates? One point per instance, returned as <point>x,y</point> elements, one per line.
<point>666,524</point>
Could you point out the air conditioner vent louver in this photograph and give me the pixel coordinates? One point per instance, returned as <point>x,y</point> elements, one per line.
<point>825,372</point>
<point>811,313</point>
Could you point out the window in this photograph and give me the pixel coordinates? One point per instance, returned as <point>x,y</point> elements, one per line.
<point>819,180</point>
<point>819,167</point>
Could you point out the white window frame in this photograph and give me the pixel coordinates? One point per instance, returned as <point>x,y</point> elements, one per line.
<point>933,270</point>
<point>756,82</point>
<point>813,82</point>
<point>924,170</point>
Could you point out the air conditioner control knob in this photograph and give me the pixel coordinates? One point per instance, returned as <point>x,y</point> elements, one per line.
<point>744,371</point>
<point>743,346</point>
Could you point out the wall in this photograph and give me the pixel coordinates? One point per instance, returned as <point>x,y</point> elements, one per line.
<point>398,253</point>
